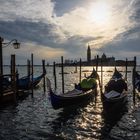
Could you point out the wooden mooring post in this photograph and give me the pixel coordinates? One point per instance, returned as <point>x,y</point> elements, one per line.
<point>80,71</point>
<point>32,75</point>
<point>101,84</point>
<point>54,74</point>
<point>29,73</point>
<point>28,67</point>
<point>13,77</point>
<point>44,79</point>
<point>1,87</point>
<point>126,65</point>
<point>133,78</point>
<point>62,71</point>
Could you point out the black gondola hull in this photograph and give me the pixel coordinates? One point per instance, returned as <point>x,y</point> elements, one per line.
<point>114,105</point>
<point>58,101</point>
<point>26,83</point>
<point>114,98</point>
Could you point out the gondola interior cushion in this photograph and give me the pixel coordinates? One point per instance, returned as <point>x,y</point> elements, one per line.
<point>118,86</point>
<point>88,83</point>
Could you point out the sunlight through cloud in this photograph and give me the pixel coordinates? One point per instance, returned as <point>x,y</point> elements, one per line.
<point>97,22</point>
<point>99,13</point>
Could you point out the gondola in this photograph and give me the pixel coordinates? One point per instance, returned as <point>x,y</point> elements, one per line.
<point>70,98</point>
<point>6,83</point>
<point>90,82</point>
<point>26,82</point>
<point>114,97</point>
<point>137,81</point>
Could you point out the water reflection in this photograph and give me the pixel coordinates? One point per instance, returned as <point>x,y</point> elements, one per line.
<point>36,119</point>
<point>110,120</point>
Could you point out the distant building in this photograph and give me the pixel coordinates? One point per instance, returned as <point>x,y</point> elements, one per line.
<point>88,54</point>
<point>100,60</point>
<point>107,60</point>
<point>103,56</point>
<point>68,61</point>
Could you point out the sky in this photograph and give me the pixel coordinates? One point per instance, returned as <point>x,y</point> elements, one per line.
<point>53,28</point>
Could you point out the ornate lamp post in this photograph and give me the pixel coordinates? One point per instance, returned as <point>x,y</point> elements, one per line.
<point>16,45</point>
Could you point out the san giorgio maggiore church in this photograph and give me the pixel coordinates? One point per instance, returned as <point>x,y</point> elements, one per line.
<point>90,62</point>
<point>105,60</point>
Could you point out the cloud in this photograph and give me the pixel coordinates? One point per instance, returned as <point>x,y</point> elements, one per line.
<point>31,10</point>
<point>40,52</point>
<point>122,47</point>
<point>30,31</point>
<point>126,42</point>
<point>65,6</point>
<point>67,26</point>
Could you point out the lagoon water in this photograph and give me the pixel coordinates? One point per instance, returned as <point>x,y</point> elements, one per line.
<point>35,119</point>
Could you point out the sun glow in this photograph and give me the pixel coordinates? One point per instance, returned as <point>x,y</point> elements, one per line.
<point>100,13</point>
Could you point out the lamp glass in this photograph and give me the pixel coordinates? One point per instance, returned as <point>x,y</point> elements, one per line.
<point>16,45</point>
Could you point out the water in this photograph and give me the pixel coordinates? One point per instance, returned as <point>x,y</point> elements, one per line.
<point>35,119</point>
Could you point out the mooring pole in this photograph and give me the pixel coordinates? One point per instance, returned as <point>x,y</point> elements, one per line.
<point>126,65</point>
<point>134,71</point>
<point>97,59</point>
<point>44,72</point>
<point>80,71</point>
<point>32,71</point>
<point>101,76</point>
<point>1,57</point>
<point>29,72</point>
<point>28,68</point>
<point>17,80</point>
<point>11,65</point>
<point>13,73</point>
<point>1,67</point>
<point>62,70</point>
<point>54,74</point>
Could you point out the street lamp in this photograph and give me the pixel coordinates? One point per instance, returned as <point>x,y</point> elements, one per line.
<point>16,45</point>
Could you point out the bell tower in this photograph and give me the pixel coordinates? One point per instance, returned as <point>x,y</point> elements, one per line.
<point>88,54</point>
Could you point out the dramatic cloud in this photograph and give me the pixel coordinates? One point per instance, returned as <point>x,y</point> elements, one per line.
<point>61,27</point>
